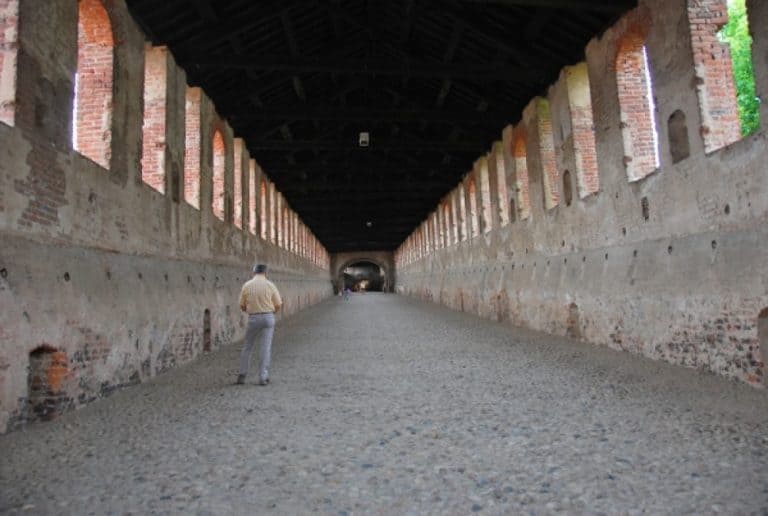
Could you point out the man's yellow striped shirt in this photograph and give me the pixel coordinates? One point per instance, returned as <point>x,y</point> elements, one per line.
<point>259,295</point>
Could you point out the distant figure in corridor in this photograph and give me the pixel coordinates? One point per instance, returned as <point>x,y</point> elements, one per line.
<point>260,299</point>
<point>346,293</point>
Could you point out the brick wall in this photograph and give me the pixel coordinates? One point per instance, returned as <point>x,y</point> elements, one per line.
<point>714,74</point>
<point>546,146</point>
<point>72,230</point>
<point>667,266</point>
<point>93,120</point>
<point>637,117</point>
<point>253,215</point>
<point>583,129</point>
<point>218,180</point>
<point>154,127</point>
<point>192,147</point>
<point>238,183</point>
<point>519,152</point>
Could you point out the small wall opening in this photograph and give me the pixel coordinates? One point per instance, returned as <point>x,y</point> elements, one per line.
<point>363,276</point>
<point>572,324</point>
<point>679,146</point>
<point>762,340</point>
<point>646,210</point>
<point>567,188</point>
<point>217,201</point>
<point>206,330</point>
<point>512,210</point>
<point>48,370</point>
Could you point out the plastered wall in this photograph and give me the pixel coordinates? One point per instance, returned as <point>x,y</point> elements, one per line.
<point>671,266</point>
<point>109,275</point>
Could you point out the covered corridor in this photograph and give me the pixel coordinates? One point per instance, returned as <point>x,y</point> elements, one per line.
<point>385,404</point>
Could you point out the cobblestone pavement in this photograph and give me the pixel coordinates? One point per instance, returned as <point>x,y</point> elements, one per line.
<point>386,405</point>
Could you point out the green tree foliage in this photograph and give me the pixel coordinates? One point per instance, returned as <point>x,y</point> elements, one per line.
<point>736,34</point>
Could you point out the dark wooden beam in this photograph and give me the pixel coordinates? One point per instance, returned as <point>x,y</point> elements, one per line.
<point>404,67</point>
<point>609,6</point>
<point>352,145</point>
<point>367,114</point>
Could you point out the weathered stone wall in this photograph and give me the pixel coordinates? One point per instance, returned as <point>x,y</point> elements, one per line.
<point>104,280</point>
<point>671,266</point>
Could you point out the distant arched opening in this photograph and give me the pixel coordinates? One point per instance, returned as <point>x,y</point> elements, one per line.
<point>363,276</point>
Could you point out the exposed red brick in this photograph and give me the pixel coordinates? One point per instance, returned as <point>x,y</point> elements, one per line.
<point>219,163</point>
<point>154,126</point>
<point>192,147</point>
<point>238,183</point>
<point>93,96</point>
<point>638,123</point>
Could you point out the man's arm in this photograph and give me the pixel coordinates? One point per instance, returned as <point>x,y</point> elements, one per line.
<point>243,304</point>
<point>277,300</point>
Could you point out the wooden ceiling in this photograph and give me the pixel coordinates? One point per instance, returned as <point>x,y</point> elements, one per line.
<point>433,81</point>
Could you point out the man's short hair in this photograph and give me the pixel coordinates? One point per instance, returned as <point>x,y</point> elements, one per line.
<point>259,268</point>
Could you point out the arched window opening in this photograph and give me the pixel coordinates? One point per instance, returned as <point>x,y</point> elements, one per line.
<point>567,188</point>
<point>502,191</point>
<point>238,183</point>
<point>448,224</point>
<point>454,218</point>
<point>485,196</point>
<point>725,82</point>
<point>253,221</point>
<point>192,147</point>
<point>92,117</point>
<point>154,125</point>
<point>474,222</point>
<point>549,174</point>
<point>736,34</point>
<point>638,112</point>
<point>521,178</point>
<point>279,220</point>
<point>219,162</point>
<point>463,222</point>
<point>272,213</point>
<point>583,129</point>
<point>9,34</point>
<point>677,128</point>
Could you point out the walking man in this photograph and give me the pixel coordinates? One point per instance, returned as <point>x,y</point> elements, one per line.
<point>260,299</point>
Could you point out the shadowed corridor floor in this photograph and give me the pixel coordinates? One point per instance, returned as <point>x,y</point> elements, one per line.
<point>388,405</point>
